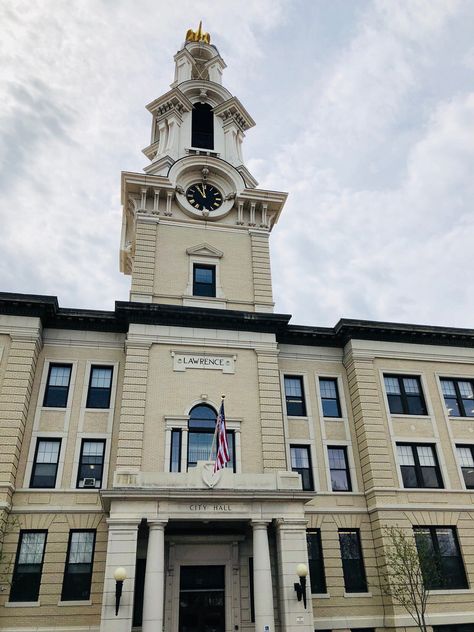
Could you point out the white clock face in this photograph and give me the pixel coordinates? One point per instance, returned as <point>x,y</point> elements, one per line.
<point>203,196</point>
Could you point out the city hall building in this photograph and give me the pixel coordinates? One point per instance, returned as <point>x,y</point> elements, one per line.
<point>107,422</point>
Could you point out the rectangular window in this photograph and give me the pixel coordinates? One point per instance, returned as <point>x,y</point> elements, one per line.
<point>175,457</point>
<point>419,465</point>
<point>352,561</point>
<point>91,463</point>
<point>204,280</point>
<point>294,394</point>
<point>458,397</point>
<point>28,566</point>
<point>199,448</point>
<point>466,461</point>
<point>329,397</point>
<point>338,466</point>
<point>316,561</point>
<point>78,570</point>
<point>301,463</point>
<point>405,395</point>
<point>57,386</point>
<point>440,557</point>
<point>100,386</point>
<point>45,465</point>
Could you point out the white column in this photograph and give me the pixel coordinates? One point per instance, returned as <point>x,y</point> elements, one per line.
<point>153,597</point>
<point>121,551</point>
<point>262,579</point>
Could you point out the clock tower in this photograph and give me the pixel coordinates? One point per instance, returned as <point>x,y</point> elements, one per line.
<point>195,226</point>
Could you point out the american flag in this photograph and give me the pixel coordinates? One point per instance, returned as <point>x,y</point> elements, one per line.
<point>222,455</point>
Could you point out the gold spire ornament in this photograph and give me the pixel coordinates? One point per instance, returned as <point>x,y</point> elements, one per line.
<point>198,36</point>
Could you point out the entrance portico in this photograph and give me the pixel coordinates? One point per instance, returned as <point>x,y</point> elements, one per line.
<point>215,562</point>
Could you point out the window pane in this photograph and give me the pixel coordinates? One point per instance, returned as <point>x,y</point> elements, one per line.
<point>395,404</point>
<point>328,388</point>
<point>330,408</point>
<point>448,388</point>
<point>82,547</point>
<point>91,463</point>
<point>316,563</point>
<point>465,388</point>
<point>416,405</point>
<point>48,452</point>
<point>199,447</point>
<point>430,477</point>
<point>468,407</point>
<point>299,457</point>
<point>202,416</point>
<point>411,386</point>
<point>59,375</point>
<point>425,455</point>
<point>32,546</point>
<point>392,386</point>
<point>409,476</point>
<point>203,275</point>
<point>465,456</point>
<point>293,386</point>
<point>337,458</point>
<point>452,407</point>
<point>175,465</point>
<point>405,455</point>
<point>101,377</point>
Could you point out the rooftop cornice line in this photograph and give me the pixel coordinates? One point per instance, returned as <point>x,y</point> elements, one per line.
<point>125,313</point>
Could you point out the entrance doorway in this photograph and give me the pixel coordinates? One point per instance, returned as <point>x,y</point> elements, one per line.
<point>202,599</point>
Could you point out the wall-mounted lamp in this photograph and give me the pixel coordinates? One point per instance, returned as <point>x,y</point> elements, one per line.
<point>120,574</point>
<point>300,588</point>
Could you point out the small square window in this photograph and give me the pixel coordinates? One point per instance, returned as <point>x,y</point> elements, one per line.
<point>294,395</point>
<point>204,280</point>
<point>45,464</point>
<point>100,386</point>
<point>57,386</point>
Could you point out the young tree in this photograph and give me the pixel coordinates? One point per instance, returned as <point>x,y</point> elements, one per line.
<point>408,565</point>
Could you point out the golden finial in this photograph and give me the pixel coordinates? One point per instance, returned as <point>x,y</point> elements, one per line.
<point>198,36</point>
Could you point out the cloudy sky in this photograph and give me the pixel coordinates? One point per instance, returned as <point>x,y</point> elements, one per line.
<point>364,111</point>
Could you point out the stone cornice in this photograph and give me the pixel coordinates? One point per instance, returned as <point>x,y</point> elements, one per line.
<point>376,334</point>
<point>172,101</point>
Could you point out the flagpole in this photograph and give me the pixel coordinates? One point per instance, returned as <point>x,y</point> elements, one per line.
<point>215,431</point>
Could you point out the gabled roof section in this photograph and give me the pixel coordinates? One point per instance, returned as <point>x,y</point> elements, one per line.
<point>233,109</point>
<point>174,99</point>
<point>205,250</point>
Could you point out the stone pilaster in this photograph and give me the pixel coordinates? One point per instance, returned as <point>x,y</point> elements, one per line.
<point>271,414</point>
<point>132,415</point>
<point>293,550</point>
<point>121,552</point>
<point>371,432</point>
<point>143,271</point>
<point>262,276</point>
<point>15,396</point>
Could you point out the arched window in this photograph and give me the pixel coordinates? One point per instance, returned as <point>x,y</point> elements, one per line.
<point>201,428</point>
<point>202,128</point>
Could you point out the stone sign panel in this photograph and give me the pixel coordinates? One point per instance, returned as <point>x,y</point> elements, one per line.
<point>184,361</point>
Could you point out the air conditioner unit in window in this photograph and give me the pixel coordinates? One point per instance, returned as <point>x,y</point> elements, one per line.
<point>89,482</point>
